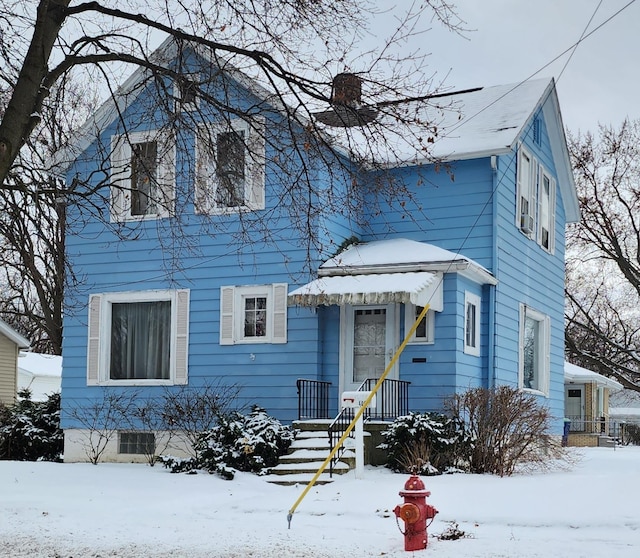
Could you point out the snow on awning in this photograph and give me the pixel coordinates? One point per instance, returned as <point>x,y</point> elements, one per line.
<point>419,288</point>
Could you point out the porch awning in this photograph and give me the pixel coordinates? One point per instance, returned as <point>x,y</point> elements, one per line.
<point>419,288</point>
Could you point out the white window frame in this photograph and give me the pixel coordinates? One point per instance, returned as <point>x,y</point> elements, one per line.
<point>526,193</point>
<point>180,105</point>
<point>551,216</point>
<point>232,313</point>
<point>254,166</point>
<point>121,188</point>
<point>411,313</point>
<point>99,336</point>
<point>542,348</point>
<point>472,347</point>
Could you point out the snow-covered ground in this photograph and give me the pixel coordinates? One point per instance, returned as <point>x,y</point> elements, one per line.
<point>110,510</point>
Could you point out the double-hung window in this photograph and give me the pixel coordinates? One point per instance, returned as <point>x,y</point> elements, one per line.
<point>534,350</point>
<point>142,176</point>
<point>536,201</point>
<point>526,206</point>
<point>253,314</point>
<point>425,331</point>
<point>138,338</point>
<point>471,324</point>
<point>546,210</point>
<point>230,167</point>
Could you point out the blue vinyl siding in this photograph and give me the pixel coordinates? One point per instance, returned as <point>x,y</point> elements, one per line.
<point>467,207</point>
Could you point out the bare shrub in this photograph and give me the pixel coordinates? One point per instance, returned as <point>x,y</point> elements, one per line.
<point>101,420</point>
<point>508,428</point>
<point>189,411</point>
<point>148,415</point>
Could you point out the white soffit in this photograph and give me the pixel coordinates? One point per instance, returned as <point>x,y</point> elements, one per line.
<point>419,288</point>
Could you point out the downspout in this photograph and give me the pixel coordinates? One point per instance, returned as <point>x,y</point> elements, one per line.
<point>491,353</point>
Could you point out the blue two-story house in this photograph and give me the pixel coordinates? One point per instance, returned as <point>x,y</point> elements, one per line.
<point>195,273</point>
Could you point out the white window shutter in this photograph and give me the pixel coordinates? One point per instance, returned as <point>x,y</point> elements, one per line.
<point>166,174</point>
<point>226,315</point>
<point>202,194</point>
<point>256,163</point>
<point>279,313</point>
<point>120,178</point>
<point>182,336</point>
<point>93,345</point>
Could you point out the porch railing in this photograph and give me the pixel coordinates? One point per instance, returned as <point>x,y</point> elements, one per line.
<point>392,401</point>
<point>313,399</point>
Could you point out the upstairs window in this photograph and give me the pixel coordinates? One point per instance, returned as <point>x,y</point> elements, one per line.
<point>253,314</point>
<point>534,350</point>
<point>471,324</point>
<point>536,201</point>
<point>185,92</point>
<point>142,176</point>
<point>230,167</point>
<point>425,331</point>
<point>546,203</point>
<point>525,214</point>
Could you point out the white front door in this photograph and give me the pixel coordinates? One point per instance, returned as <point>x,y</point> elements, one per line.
<point>368,341</point>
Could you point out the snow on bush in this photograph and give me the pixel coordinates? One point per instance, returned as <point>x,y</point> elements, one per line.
<point>425,443</point>
<point>30,430</point>
<point>251,443</point>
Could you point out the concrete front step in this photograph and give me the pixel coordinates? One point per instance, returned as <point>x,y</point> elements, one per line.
<point>306,455</point>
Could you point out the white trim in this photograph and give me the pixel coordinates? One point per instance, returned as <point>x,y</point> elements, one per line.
<point>542,174</point>
<point>179,105</point>
<point>526,192</point>
<point>542,374</point>
<point>347,322</point>
<point>410,314</point>
<point>232,312</point>
<point>99,335</point>
<point>206,182</point>
<point>120,175</point>
<point>472,347</point>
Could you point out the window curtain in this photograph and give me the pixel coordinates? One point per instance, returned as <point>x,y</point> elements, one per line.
<point>140,340</point>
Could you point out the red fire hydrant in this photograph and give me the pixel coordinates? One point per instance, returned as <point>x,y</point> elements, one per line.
<point>415,512</point>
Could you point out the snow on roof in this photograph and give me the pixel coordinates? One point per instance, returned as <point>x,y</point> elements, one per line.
<point>402,254</point>
<point>574,373</point>
<point>37,364</point>
<point>479,123</point>
<point>389,252</point>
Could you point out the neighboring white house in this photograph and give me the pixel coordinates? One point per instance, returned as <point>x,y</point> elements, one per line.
<point>39,373</point>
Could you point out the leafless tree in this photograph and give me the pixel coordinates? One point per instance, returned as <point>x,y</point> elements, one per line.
<point>284,52</point>
<point>603,258</point>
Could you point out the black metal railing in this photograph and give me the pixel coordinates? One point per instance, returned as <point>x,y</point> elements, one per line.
<point>392,401</point>
<point>313,399</point>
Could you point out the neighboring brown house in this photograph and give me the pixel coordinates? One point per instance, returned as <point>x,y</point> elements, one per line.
<point>587,405</point>
<point>10,344</point>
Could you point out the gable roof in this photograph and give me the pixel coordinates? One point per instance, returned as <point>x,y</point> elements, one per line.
<point>13,335</point>
<point>476,124</point>
<point>473,124</point>
<point>387,271</point>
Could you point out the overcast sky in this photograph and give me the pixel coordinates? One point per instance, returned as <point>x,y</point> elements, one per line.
<point>510,40</point>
